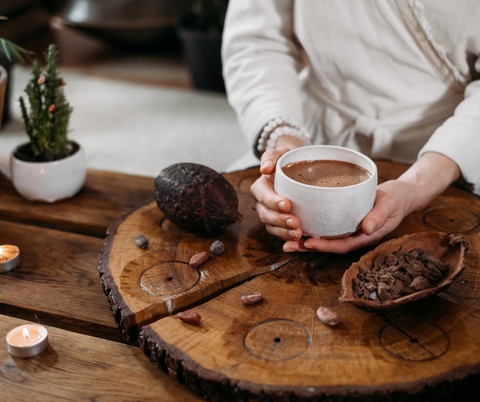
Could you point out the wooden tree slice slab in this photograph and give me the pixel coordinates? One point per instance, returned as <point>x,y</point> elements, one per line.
<point>278,350</point>
<point>145,285</point>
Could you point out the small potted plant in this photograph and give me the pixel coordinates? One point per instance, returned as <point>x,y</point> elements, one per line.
<point>49,167</point>
<point>201,34</point>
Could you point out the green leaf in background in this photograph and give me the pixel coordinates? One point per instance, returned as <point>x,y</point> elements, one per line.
<point>11,48</point>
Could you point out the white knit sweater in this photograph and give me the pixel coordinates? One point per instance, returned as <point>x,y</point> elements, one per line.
<point>390,78</point>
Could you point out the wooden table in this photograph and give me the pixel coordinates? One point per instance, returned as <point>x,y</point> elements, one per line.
<point>58,286</point>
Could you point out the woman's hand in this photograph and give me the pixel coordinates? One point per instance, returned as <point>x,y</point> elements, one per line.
<point>392,204</point>
<point>395,199</point>
<point>272,208</point>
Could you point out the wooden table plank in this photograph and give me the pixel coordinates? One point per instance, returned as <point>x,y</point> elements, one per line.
<point>57,281</point>
<point>82,368</point>
<point>105,197</point>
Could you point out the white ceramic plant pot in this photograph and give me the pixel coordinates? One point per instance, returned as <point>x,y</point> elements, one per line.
<point>49,181</point>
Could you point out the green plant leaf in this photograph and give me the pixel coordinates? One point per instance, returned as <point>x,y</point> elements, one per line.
<point>6,49</point>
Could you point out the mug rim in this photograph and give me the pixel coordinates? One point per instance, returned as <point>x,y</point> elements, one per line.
<point>279,170</point>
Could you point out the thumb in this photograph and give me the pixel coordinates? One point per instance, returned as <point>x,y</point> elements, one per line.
<point>269,160</point>
<point>377,217</point>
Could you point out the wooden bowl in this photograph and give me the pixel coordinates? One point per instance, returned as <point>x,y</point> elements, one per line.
<point>449,248</point>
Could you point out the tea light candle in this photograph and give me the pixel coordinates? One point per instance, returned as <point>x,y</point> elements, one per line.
<point>9,257</point>
<point>27,340</point>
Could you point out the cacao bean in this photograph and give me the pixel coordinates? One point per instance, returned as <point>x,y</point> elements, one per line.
<point>141,241</point>
<point>217,247</point>
<point>327,316</point>
<point>189,317</point>
<point>198,259</point>
<point>252,298</point>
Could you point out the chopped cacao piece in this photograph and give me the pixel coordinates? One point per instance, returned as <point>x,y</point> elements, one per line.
<point>403,277</point>
<point>414,254</point>
<point>378,261</point>
<point>407,290</point>
<point>370,287</point>
<point>421,254</point>
<point>397,288</point>
<point>435,261</point>
<point>420,283</point>
<point>435,271</point>
<point>401,261</point>
<point>426,272</point>
<point>415,269</point>
<point>383,291</point>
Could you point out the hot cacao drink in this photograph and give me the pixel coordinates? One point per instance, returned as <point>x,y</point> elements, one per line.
<point>326,173</point>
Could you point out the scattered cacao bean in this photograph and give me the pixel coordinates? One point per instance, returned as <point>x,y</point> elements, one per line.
<point>189,317</point>
<point>217,247</point>
<point>251,298</point>
<point>141,241</point>
<point>198,259</point>
<point>327,316</point>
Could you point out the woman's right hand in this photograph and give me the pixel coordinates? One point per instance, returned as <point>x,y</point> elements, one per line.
<point>272,208</point>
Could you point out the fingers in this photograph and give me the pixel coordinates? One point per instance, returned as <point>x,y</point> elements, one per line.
<point>281,225</point>
<point>345,245</point>
<point>273,218</point>
<point>295,245</point>
<point>286,234</point>
<point>269,160</point>
<point>262,190</point>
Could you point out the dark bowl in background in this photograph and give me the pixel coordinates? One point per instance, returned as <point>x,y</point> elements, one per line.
<point>132,23</point>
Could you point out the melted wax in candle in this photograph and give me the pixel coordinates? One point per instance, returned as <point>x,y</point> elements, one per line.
<point>26,337</point>
<point>2,257</point>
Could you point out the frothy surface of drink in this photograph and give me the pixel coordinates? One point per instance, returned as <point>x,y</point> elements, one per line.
<point>326,173</point>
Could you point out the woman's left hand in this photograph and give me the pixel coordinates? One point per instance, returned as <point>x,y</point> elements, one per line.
<point>395,199</point>
<point>392,204</point>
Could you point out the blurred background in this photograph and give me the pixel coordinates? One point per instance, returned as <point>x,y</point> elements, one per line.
<point>143,76</point>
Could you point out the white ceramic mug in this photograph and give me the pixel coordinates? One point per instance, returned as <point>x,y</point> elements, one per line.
<point>327,211</point>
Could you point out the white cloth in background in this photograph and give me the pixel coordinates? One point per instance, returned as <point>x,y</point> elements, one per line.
<point>386,77</point>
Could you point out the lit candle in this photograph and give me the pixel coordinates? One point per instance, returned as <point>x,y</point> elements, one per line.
<point>9,257</point>
<point>27,340</point>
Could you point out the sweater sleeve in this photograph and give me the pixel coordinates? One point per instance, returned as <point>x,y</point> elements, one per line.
<point>261,61</point>
<point>458,137</point>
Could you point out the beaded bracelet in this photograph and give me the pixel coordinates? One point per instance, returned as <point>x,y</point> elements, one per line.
<point>271,132</point>
<point>285,130</point>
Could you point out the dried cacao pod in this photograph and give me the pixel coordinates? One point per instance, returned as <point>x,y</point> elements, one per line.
<point>196,198</point>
